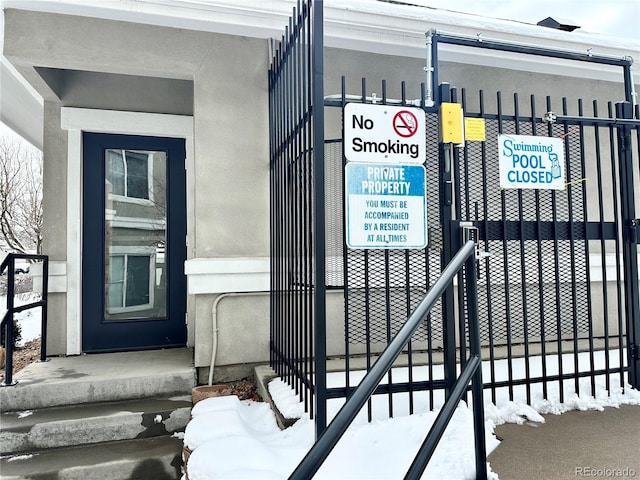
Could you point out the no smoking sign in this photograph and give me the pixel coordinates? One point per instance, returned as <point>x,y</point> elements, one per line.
<point>405,124</point>
<point>384,134</point>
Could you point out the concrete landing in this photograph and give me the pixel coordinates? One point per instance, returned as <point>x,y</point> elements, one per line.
<point>574,445</point>
<point>100,377</point>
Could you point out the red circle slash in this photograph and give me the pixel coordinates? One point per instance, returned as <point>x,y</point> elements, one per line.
<point>405,123</point>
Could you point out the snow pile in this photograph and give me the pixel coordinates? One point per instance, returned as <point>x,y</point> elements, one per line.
<point>241,440</point>
<point>233,439</point>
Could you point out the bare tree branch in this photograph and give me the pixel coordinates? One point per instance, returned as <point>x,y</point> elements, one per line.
<point>20,196</point>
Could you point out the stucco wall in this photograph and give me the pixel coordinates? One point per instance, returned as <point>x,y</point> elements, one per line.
<point>228,98</point>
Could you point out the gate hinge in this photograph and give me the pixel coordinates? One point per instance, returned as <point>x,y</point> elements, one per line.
<point>635,351</point>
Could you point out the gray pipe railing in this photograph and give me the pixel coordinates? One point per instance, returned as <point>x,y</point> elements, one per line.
<point>343,419</point>
<point>7,321</point>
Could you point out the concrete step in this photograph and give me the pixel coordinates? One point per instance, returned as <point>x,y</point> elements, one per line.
<point>35,430</point>
<point>100,378</point>
<point>100,417</point>
<point>156,458</point>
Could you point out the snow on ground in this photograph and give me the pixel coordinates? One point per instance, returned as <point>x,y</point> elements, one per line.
<point>29,320</point>
<point>233,439</point>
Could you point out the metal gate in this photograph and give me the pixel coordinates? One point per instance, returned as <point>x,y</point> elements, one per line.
<point>552,291</point>
<point>552,277</point>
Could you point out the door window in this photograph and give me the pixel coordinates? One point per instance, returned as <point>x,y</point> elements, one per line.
<point>135,234</point>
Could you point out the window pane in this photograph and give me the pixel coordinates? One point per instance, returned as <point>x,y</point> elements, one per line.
<point>137,175</point>
<point>137,280</point>
<point>115,282</point>
<point>115,171</point>
<point>135,238</point>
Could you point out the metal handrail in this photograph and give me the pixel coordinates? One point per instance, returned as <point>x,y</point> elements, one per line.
<point>334,431</point>
<point>7,321</point>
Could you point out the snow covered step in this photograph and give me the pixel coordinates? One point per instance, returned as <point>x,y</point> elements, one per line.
<point>157,458</point>
<point>32,431</point>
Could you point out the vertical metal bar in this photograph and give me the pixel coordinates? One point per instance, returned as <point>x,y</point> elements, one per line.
<point>345,250</point>
<point>603,252</point>
<point>585,218</point>
<point>427,271</point>
<point>630,231</point>
<point>278,172</point>
<point>487,272</point>
<point>477,384</point>
<point>541,282</point>
<point>387,316</point>
<point>505,259</point>
<point>44,308</point>
<point>523,269</point>
<point>556,271</point>
<point>407,281</point>
<point>387,294</point>
<point>9,339</point>
<point>307,175</point>
<point>464,190</point>
<point>367,302</point>
<point>367,285</point>
<point>437,93</point>
<point>297,210</point>
<point>272,219</point>
<point>617,218</point>
<point>449,246</point>
<point>572,249</point>
<point>285,213</point>
<point>320,350</point>
<point>628,82</point>
<point>305,144</point>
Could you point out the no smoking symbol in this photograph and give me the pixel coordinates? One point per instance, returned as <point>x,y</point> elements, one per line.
<point>405,123</point>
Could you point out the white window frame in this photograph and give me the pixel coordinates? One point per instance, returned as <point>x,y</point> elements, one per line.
<point>142,251</point>
<point>134,200</point>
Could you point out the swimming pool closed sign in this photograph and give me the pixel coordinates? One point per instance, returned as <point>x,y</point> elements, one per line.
<point>531,162</point>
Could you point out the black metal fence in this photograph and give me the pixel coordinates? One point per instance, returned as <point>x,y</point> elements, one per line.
<point>551,277</point>
<point>558,275</point>
<point>296,119</point>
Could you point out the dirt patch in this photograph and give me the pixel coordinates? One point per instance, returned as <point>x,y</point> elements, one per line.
<point>245,389</point>
<point>23,356</point>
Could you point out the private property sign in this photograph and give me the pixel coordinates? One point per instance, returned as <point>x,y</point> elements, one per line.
<point>384,134</point>
<point>531,162</point>
<point>386,205</point>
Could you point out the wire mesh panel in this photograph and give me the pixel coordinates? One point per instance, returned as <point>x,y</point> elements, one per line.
<point>382,287</point>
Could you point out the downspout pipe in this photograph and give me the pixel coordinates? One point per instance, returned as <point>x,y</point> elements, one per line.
<point>214,325</point>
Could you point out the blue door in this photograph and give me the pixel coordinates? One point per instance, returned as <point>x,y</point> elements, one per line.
<point>134,243</point>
